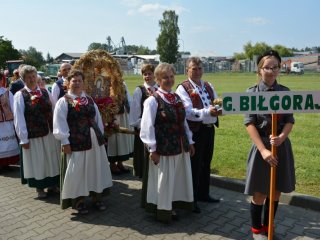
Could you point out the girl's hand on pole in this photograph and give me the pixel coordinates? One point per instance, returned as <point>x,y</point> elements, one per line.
<point>267,156</point>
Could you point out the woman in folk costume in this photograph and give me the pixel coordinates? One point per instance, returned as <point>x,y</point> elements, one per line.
<point>78,125</point>
<point>165,131</point>
<point>141,93</point>
<point>9,148</point>
<point>33,123</point>
<point>120,146</point>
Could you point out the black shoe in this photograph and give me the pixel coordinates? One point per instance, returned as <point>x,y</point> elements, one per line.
<point>213,200</point>
<point>174,216</point>
<point>210,200</point>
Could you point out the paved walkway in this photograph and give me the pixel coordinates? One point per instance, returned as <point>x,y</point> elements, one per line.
<point>24,217</point>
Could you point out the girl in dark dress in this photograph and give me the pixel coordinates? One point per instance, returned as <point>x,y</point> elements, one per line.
<point>260,157</point>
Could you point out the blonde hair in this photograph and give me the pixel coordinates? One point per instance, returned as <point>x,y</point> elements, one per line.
<point>162,68</point>
<point>260,64</point>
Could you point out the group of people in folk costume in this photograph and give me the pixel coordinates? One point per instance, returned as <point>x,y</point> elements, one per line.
<point>173,140</point>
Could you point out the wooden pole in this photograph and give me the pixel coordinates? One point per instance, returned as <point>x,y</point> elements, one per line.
<point>272,180</point>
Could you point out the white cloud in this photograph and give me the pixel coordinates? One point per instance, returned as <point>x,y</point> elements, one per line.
<point>131,12</point>
<point>258,21</point>
<point>150,9</point>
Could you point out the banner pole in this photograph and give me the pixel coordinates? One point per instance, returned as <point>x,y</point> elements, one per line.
<point>272,180</point>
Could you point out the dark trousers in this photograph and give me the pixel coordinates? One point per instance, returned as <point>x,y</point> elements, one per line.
<point>200,162</point>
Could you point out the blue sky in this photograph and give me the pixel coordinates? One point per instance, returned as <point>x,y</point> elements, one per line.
<point>207,27</point>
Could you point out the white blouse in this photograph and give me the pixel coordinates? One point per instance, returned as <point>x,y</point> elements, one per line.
<point>147,132</point>
<point>195,114</point>
<point>134,117</point>
<point>18,113</point>
<point>61,129</point>
<point>55,91</point>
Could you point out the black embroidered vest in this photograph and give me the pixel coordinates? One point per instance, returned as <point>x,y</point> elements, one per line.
<point>61,87</point>
<point>169,127</point>
<point>80,120</point>
<point>144,96</point>
<point>197,103</point>
<point>38,114</point>
<point>124,105</point>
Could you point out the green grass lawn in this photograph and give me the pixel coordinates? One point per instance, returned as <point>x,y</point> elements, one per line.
<point>232,142</point>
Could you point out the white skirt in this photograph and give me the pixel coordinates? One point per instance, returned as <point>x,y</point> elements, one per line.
<point>8,142</point>
<point>87,171</point>
<point>170,181</point>
<point>42,159</point>
<point>121,144</point>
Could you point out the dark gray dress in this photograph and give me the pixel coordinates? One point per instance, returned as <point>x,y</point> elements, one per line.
<point>258,170</point>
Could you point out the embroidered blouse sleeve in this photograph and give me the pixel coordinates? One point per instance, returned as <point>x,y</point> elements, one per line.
<point>51,100</point>
<point>19,119</point>
<point>61,129</point>
<point>193,114</point>
<point>98,118</point>
<point>147,132</point>
<point>134,116</point>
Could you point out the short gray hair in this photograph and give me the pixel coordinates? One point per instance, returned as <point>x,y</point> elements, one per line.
<point>196,60</point>
<point>27,69</point>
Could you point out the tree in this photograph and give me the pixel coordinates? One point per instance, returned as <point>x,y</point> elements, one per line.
<point>283,51</point>
<point>32,57</point>
<point>140,50</point>
<point>49,59</point>
<point>167,42</point>
<point>7,52</point>
<point>239,56</point>
<point>95,46</point>
<point>259,48</point>
<point>256,50</point>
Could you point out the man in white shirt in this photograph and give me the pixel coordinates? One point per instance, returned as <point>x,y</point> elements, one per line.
<point>197,96</point>
<point>57,88</point>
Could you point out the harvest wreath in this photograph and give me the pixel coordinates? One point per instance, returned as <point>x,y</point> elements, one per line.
<point>103,82</point>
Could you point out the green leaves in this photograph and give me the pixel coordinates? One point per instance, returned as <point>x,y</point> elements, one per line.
<point>167,41</point>
<point>7,52</point>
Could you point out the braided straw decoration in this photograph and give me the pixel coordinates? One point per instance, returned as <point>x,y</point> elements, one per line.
<point>99,64</point>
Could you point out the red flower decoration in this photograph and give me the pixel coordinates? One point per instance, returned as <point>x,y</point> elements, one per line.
<point>76,104</point>
<point>35,97</point>
<point>194,95</point>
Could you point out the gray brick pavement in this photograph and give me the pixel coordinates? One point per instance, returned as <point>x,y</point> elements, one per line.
<point>24,217</point>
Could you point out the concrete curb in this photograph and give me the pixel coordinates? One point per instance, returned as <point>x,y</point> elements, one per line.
<point>294,199</point>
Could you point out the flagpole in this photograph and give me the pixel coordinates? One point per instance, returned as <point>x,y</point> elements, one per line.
<point>272,180</point>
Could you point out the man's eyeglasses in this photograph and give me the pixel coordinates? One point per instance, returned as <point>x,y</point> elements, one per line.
<point>268,69</point>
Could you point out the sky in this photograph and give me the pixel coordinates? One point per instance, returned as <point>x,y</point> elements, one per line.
<point>207,27</point>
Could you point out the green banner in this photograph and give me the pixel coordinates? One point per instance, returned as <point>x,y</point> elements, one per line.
<point>271,102</point>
